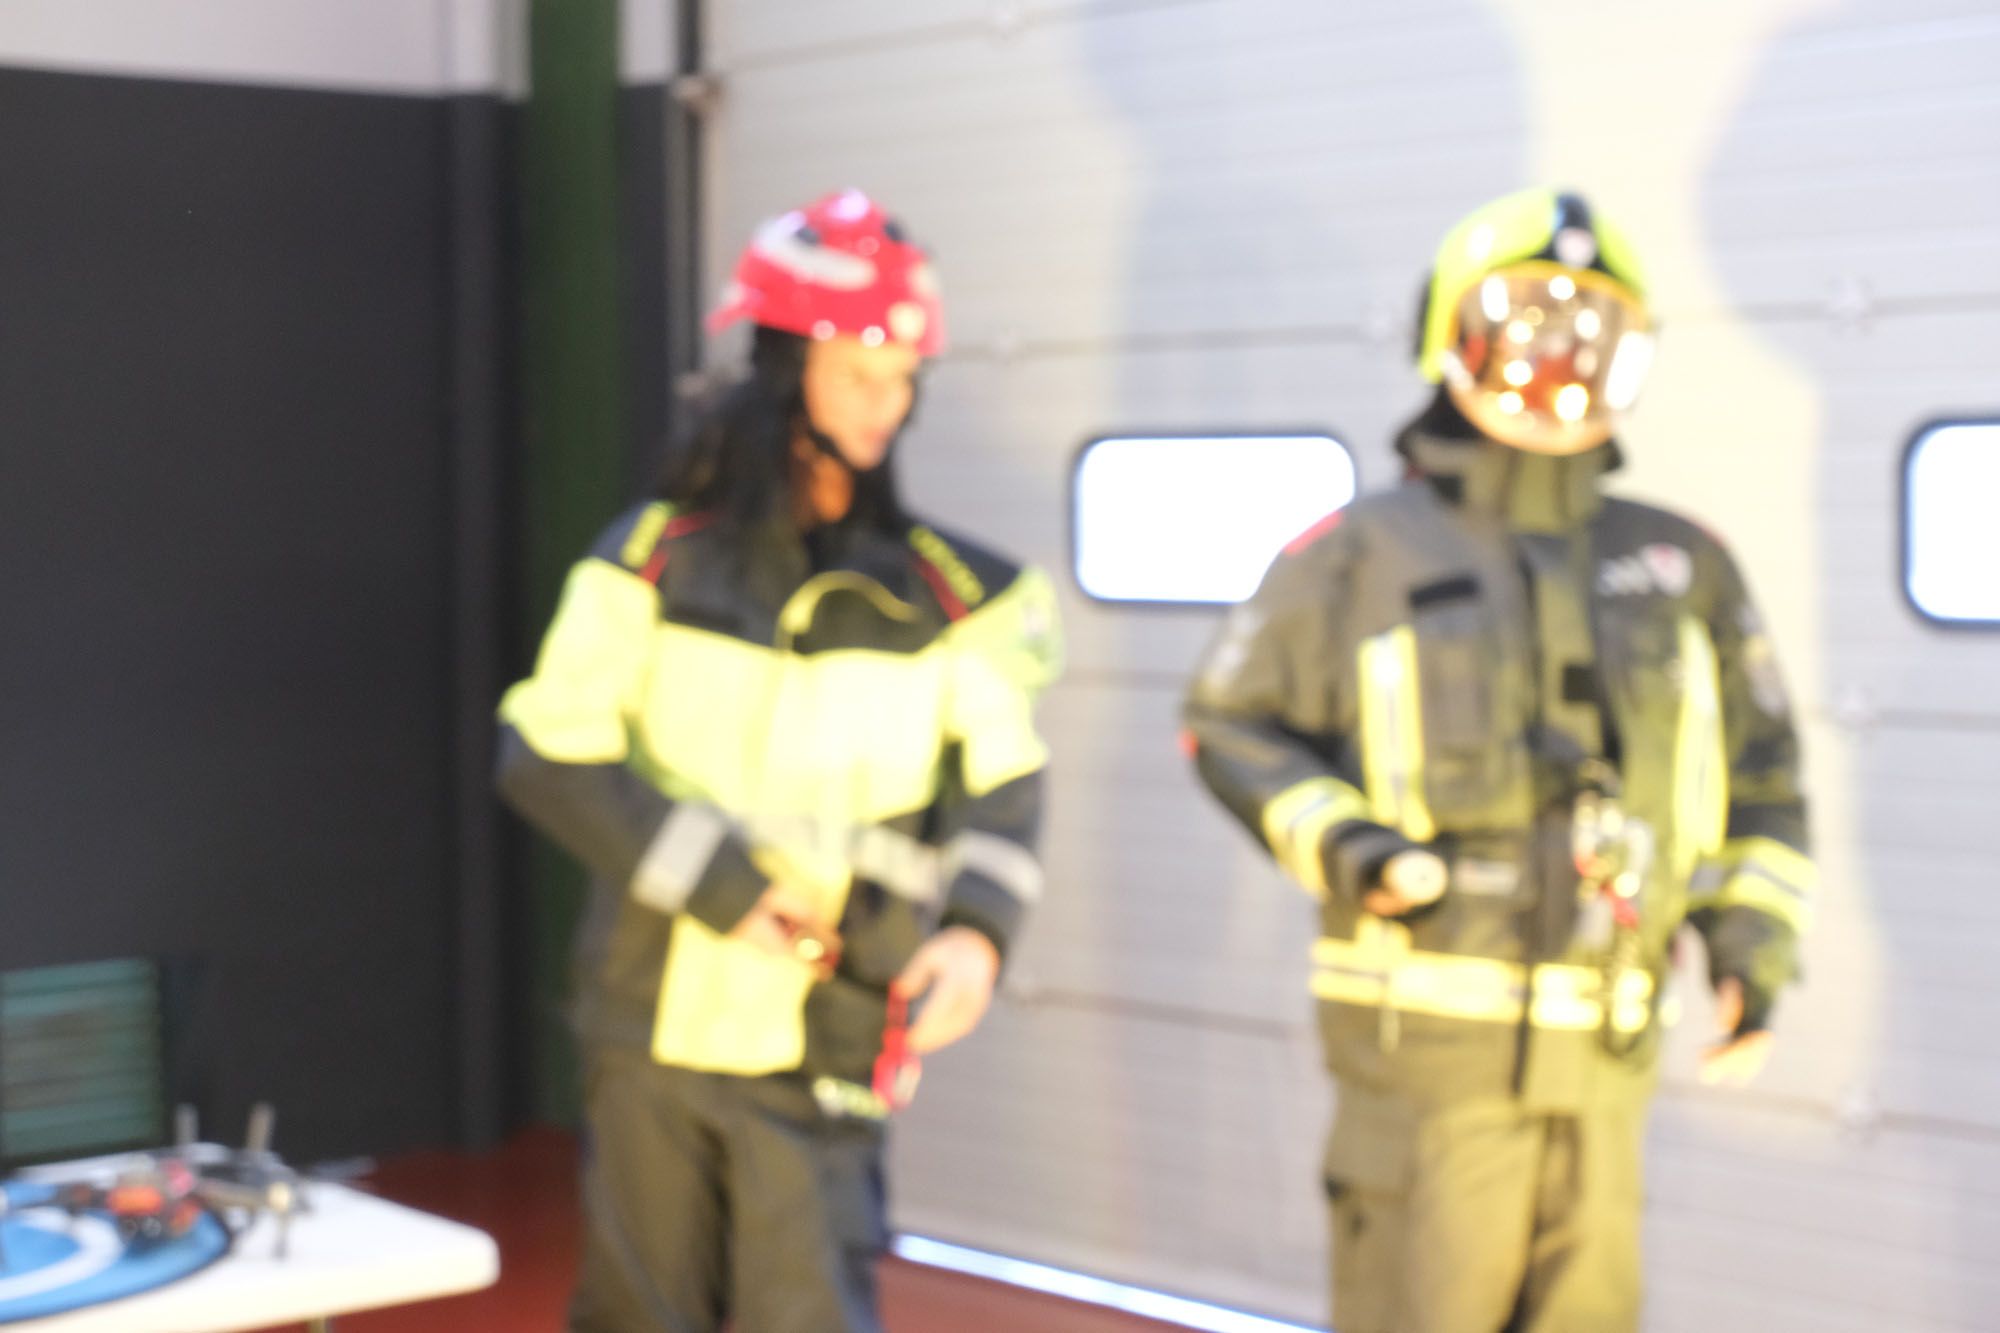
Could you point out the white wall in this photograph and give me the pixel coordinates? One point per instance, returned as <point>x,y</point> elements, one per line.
<point>389,46</point>
<point>647,42</point>
<point>1194,213</point>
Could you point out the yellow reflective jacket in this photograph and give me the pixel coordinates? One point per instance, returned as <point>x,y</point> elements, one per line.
<point>1439,666</point>
<point>713,710</point>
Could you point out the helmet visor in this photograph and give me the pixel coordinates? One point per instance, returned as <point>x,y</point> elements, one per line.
<point>1544,356</point>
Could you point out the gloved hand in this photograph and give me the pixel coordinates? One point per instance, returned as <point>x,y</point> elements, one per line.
<point>1407,881</point>
<point>1746,1043</point>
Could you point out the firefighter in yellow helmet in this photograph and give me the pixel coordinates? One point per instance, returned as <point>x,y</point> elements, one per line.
<point>1513,734</point>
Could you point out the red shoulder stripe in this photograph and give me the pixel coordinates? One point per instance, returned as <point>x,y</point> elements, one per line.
<point>1313,533</point>
<point>953,604</point>
<point>679,526</point>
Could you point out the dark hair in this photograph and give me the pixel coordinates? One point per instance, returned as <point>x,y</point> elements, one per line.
<point>737,459</point>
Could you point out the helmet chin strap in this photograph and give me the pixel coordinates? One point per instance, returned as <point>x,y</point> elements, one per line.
<point>826,446</point>
<point>831,485</point>
<point>824,443</point>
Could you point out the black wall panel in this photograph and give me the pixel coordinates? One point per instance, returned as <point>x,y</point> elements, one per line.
<point>241,406</point>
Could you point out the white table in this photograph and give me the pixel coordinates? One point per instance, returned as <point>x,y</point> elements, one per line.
<point>352,1252</point>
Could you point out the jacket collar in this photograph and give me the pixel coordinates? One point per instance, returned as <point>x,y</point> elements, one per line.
<point>1528,492</point>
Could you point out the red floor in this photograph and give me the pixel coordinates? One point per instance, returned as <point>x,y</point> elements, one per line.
<point>524,1196</point>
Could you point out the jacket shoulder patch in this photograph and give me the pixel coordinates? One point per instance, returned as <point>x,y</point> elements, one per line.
<point>947,573</point>
<point>643,545</point>
<point>645,534</point>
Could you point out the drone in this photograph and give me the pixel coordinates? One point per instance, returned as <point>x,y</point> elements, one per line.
<point>158,1196</point>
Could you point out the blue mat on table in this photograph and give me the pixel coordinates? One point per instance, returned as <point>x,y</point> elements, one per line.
<point>49,1265</point>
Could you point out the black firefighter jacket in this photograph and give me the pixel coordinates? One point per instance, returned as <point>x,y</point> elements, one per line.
<point>711,711</point>
<point>1454,664</point>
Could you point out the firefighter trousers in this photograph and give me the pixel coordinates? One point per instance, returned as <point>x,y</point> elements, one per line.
<point>712,1199</point>
<point>1484,1217</point>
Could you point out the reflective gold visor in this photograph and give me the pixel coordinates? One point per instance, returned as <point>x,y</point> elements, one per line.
<point>1544,357</point>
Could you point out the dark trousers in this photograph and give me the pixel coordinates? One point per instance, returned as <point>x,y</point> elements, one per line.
<point>1484,1217</point>
<point>710,1198</point>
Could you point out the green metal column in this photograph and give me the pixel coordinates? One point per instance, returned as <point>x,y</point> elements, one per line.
<point>574,477</point>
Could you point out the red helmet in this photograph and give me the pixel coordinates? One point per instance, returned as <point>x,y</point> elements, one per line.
<point>839,265</point>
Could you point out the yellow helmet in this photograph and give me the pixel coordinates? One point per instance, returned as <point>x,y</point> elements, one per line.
<point>1535,322</point>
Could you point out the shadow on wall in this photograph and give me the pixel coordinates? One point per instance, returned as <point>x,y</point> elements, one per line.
<point>1290,169</point>
<point>1851,217</point>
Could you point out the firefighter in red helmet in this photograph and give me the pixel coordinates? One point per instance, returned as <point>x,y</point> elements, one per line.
<point>787,724</point>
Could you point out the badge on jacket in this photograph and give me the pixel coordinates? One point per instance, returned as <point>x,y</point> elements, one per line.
<point>1659,567</point>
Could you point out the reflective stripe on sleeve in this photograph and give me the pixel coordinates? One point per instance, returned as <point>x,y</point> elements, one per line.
<point>1296,821</point>
<point>1008,864</point>
<point>679,855</point>
<point>1760,873</point>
